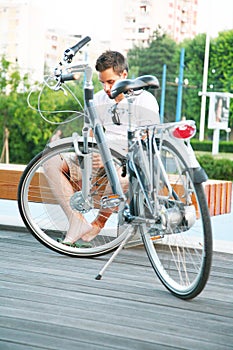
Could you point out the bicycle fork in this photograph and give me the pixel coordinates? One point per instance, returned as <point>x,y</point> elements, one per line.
<point>81,200</point>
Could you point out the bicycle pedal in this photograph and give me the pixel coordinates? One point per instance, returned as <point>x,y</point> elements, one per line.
<point>156,237</point>
<point>111,201</point>
<point>154,234</point>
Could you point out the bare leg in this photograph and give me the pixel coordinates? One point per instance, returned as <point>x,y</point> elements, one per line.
<point>104,214</point>
<point>97,225</point>
<point>63,190</point>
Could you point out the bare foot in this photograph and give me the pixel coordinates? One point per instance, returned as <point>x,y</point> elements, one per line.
<point>78,227</point>
<point>97,225</point>
<point>87,237</point>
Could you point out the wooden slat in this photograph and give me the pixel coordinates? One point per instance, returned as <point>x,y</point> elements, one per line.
<point>9,180</point>
<point>219,196</point>
<point>49,301</point>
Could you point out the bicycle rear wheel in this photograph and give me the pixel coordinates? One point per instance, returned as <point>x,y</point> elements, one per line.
<point>179,244</point>
<point>41,211</point>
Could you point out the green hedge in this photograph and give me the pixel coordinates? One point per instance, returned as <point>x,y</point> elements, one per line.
<point>218,169</point>
<point>206,146</point>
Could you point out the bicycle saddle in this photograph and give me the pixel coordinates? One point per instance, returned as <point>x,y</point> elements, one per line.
<point>142,82</point>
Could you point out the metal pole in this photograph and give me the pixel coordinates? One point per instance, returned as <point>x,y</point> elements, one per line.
<point>180,86</point>
<point>204,87</point>
<point>162,101</point>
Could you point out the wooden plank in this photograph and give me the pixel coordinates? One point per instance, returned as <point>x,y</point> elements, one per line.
<point>211,203</point>
<point>52,301</point>
<point>9,180</point>
<point>218,196</point>
<point>217,199</point>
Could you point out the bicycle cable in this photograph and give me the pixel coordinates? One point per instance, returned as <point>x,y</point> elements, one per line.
<point>64,88</point>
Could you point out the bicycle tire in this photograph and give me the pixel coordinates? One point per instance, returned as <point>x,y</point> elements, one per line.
<point>180,255</point>
<point>44,217</point>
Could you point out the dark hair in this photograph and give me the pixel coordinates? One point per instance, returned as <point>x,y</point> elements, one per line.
<point>111,59</point>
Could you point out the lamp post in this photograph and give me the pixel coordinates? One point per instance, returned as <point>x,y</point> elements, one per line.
<point>204,88</point>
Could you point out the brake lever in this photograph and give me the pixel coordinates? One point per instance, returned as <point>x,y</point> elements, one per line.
<point>58,74</point>
<point>68,55</point>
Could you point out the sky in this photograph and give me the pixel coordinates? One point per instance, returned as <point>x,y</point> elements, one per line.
<point>215,16</point>
<point>93,17</point>
<point>82,16</point>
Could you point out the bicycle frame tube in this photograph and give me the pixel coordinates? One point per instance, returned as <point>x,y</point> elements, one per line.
<point>100,138</point>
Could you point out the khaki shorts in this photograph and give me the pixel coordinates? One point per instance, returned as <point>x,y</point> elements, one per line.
<point>73,165</point>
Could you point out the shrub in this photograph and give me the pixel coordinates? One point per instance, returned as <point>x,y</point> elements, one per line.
<point>218,169</point>
<point>206,146</point>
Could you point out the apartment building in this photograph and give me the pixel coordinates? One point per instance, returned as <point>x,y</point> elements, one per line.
<point>136,20</point>
<point>25,40</point>
<point>22,36</point>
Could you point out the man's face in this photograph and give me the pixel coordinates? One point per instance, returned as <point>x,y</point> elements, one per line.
<point>108,77</point>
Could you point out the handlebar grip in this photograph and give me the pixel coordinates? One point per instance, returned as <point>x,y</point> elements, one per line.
<point>71,52</point>
<point>80,44</point>
<point>70,76</point>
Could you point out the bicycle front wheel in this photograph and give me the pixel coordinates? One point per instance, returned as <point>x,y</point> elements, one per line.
<point>39,201</point>
<point>179,244</point>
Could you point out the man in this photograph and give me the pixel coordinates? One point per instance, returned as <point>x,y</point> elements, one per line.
<point>111,66</point>
<point>113,114</point>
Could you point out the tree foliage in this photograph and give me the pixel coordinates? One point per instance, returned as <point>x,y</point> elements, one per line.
<point>162,50</point>
<point>193,72</point>
<point>29,133</point>
<point>221,62</point>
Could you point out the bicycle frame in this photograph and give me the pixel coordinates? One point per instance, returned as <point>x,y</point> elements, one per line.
<point>160,131</point>
<point>112,175</point>
<point>99,135</point>
<point>161,203</point>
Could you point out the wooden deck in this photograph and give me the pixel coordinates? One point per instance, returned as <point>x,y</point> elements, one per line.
<point>50,301</point>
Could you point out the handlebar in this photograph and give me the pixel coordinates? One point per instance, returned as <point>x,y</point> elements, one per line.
<point>70,72</point>
<point>67,77</point>
<point>71,52</point>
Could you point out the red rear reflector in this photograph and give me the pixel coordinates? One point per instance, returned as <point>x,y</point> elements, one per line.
<point>184,131</point>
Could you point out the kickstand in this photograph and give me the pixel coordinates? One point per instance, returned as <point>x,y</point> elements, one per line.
<point>99,276</point>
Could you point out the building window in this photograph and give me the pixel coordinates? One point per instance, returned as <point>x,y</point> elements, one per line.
<point>143,8</point>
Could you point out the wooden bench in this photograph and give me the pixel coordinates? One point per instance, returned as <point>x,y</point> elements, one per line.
<point>9,179</point>
<point>218,195</point>
<point>218,192</point>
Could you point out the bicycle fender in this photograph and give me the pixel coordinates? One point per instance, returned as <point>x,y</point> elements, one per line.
<point>68,140</point>
<point>62,141</point>
<point>199,175</point>
<point>185,150</point>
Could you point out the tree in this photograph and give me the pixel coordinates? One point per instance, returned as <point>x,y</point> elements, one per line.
<point>193,72</point>
<point>220,71</point>
<point>28,132</point>
<point>221,62</point>
<point>161,50</point>
<point>221,66</point>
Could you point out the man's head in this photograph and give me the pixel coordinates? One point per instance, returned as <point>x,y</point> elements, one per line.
<point>112,66</point>
<point>112,59</point>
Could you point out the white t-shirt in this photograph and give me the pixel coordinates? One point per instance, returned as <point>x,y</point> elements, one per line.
<point>145,112</point>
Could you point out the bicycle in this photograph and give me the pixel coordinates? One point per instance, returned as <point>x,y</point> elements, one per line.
<point>164,202</point>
